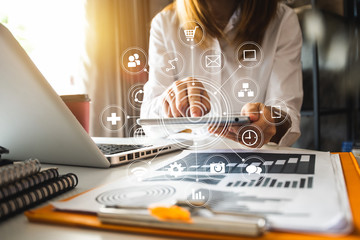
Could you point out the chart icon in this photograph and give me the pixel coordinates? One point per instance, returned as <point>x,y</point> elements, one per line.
<point>198,194</point>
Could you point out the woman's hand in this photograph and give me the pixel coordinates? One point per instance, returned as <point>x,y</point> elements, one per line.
<point>261,120</point>
<point>186,98</point>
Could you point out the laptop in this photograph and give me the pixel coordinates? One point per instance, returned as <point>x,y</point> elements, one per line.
<point>35,122</point>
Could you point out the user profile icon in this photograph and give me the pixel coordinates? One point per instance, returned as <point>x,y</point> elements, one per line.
<point>134,60</point>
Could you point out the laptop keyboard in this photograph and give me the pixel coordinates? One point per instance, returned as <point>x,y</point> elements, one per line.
<point>109,149</point>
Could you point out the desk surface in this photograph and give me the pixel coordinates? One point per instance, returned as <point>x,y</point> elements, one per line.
<point>19,227</point>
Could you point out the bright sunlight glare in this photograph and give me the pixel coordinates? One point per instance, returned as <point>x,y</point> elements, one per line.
<point>53,34</point>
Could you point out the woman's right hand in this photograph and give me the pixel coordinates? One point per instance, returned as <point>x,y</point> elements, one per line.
<point>186,98</point>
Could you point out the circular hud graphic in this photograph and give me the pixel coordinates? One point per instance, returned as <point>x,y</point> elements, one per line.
<point>136,196</point>
<point>220,107</point>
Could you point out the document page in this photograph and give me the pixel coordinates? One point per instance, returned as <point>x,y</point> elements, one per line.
<point>295,191</point>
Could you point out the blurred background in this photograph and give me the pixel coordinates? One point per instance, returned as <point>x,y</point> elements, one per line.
<point>78,44</point>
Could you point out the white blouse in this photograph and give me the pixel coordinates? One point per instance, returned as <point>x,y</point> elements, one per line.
<point>278,77</point>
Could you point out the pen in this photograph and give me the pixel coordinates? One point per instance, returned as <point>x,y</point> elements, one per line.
<point>202,219</point>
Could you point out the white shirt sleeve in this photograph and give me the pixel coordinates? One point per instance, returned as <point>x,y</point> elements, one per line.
<point>155,88</point>
<point>286,76</point>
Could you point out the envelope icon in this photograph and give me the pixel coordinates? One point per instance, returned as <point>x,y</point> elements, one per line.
<point>212,61</point>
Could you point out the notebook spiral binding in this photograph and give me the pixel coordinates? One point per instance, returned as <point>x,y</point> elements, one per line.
<point>21,185</point>
<point>18,170</point>
<point>37,195</point>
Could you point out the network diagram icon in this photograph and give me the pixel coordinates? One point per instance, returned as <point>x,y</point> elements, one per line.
<point>176,169</point>
<point>246,91</point>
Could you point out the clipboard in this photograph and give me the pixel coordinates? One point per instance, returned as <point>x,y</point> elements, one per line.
<point>351,169</point>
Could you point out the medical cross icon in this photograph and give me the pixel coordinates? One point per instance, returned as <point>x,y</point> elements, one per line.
<point>113,119</point>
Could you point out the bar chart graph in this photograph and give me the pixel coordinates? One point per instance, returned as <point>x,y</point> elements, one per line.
<point>273,183</point>
<point>271,164</point>
<point>275,169</point>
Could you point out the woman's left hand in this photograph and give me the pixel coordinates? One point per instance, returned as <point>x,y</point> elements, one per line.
<point>260,117</point>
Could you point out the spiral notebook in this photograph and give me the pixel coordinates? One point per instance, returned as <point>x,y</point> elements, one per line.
<point>24,184</point>
<point>36,195</point>
<point>18,170</point>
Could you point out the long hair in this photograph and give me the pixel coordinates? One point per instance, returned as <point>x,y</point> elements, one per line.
<point>254,18</point>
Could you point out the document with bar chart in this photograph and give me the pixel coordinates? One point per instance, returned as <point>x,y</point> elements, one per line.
<point>303,191</point>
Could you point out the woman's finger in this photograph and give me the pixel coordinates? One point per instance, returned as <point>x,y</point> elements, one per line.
<point>170,98</point>
<point>194,95</point>
<point>181,102</point>
<point>206,101</point>
<point>166,108</point>
<point>252,110</point>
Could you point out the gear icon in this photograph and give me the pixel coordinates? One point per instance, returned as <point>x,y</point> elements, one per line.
<point>176,169</point>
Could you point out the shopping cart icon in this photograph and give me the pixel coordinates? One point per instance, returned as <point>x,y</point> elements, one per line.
<point>190,34</point>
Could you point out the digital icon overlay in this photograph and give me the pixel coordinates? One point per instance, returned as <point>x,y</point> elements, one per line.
<point>198,194</point>
<point>136,96</point>
<point>217,167</point>
<point>191,33</point>
<point>276,111</point>
<point>279,111</point>
<point>171,64</point>
<point>250,169</point>
<point>139,173</point>
<point>253,168</point>
<point>138,170</point>
<point>245,90</point>
<point>219,105</point>
<point>134,60</point>
<point>249,138</point>
<point>113,118</point>
<point>212,61</point>
<point>176,169</point>
<point>249,55</point>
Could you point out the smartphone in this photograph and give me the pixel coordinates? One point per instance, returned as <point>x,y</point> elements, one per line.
<point>230,119</point>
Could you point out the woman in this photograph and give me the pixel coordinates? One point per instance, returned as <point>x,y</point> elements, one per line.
<point>223,27</point>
